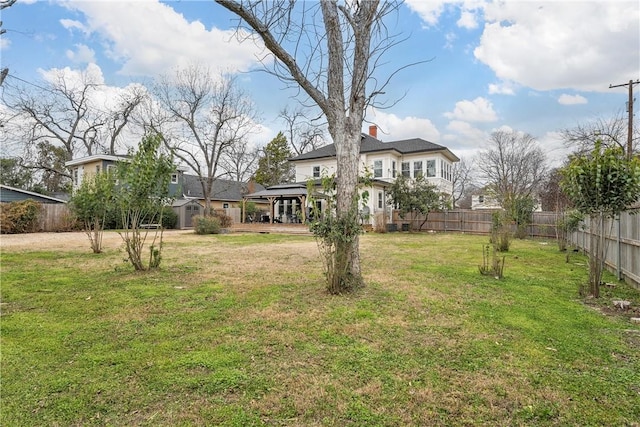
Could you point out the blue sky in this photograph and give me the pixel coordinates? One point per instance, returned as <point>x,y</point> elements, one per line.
<point>530,66</point>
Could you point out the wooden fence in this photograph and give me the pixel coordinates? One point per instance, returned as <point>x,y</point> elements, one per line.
<point>622,238</point>
<point>476,222</point>
<point>55,217</point>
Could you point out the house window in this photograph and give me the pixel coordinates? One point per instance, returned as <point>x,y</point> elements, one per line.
<point>442,169</point>
<point>174,178</point>
<point>393,168</point>
<point>377,169</point>
<point>417,169</point>
<point>316,171</point>
<point>75,176</point>
<point>481,199</point>
<point>225,206</point>
<point>97,169</point>
<point>406,169</point>
<point>431,168</point>
<point>380,199</point>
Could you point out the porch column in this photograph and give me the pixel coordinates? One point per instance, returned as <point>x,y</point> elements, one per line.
<point>271,201</point>
<point>244,211</point>
<point>303,208</point>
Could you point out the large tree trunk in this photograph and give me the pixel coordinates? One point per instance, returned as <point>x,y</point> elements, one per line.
<point>347,252</point>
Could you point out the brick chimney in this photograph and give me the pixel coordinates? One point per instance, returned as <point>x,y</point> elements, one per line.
<point>373,131</point>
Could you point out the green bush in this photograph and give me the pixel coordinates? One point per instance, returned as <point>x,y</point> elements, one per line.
<point>20,217</point>
<point>206,224</point>
<point>169,218</point>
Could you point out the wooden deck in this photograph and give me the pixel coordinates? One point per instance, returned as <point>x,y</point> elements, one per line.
<point>301,229</point>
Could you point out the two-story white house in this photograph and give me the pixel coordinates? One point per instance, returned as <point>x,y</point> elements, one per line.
<point>385,160</point>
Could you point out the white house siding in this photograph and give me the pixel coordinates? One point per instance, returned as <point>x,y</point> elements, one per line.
<point>444,185</point>
<point>304,169</point>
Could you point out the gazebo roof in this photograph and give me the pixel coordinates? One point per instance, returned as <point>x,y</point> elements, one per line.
<point>281,190</point>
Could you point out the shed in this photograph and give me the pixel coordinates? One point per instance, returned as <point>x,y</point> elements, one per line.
<point>11,194</point>
<point>186,210</point>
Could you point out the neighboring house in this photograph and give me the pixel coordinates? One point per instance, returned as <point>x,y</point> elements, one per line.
<point>11,194</point>
<point>85,167</point>
<point>483,199</point>
<point>385,160</point>
<point>184,188</point>
<point>224,193</point>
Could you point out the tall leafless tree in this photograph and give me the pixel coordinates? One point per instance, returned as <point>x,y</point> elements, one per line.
<point>610,131</point>
<point>461,180</point>
<point>68,112</point>
<point>240,161</point>
<point>301,133</point>
<point>200,119</point>
<point>330,50</point>
<point>513,166</point>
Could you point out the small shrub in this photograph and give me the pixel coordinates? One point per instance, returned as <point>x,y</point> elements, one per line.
<point>500,231</point>
<point>492,265</point>
<point>20,217</point>
<point>225,220</point>
<point>381,226</point>
<point>206,224</point>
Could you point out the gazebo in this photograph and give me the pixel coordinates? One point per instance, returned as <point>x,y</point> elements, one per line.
<point>291,198</point>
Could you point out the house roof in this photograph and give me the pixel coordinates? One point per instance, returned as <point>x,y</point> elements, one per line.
<point>370,144</point>
<point>95,157</point>
<point>181,202</point>
<point>11,194</point>
<point>222,189</point>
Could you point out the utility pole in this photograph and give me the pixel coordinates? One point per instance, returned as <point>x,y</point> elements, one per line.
<point>630,111</point>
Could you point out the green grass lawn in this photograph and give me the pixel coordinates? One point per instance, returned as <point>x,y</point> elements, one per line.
<point>237,330</point>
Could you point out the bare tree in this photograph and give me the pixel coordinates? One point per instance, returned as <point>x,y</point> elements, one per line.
<point>513,166</point>
<point>240,161</point>
<point>461,179</point>
<point>121,116</point>
<point>200,119</point>
<point>331,49</point>
<point>302,135</point>
<point>67,112</point>
<point>59,111</point>
<point>610,131</point>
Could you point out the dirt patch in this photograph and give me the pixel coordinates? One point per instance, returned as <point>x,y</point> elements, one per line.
<point>68,240</point>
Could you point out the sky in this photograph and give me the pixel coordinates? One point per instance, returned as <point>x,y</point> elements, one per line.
<point>529,66</point>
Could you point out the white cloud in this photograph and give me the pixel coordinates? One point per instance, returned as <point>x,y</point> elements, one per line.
<point>478,110</point>
<point>394,128</point>
<point>471,135</point>
<point>564,44</point>
<point>429,11</point>
<point>150,38</point>
<point>4,43</point>
<point>72,24</point>
<point>503,88</point>
<point>571,99</point>
<point>74,79</point>
<point>83,54</point>
<point>467,20</point>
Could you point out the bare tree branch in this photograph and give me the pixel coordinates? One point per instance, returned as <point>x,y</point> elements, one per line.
<point>201,119</point>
